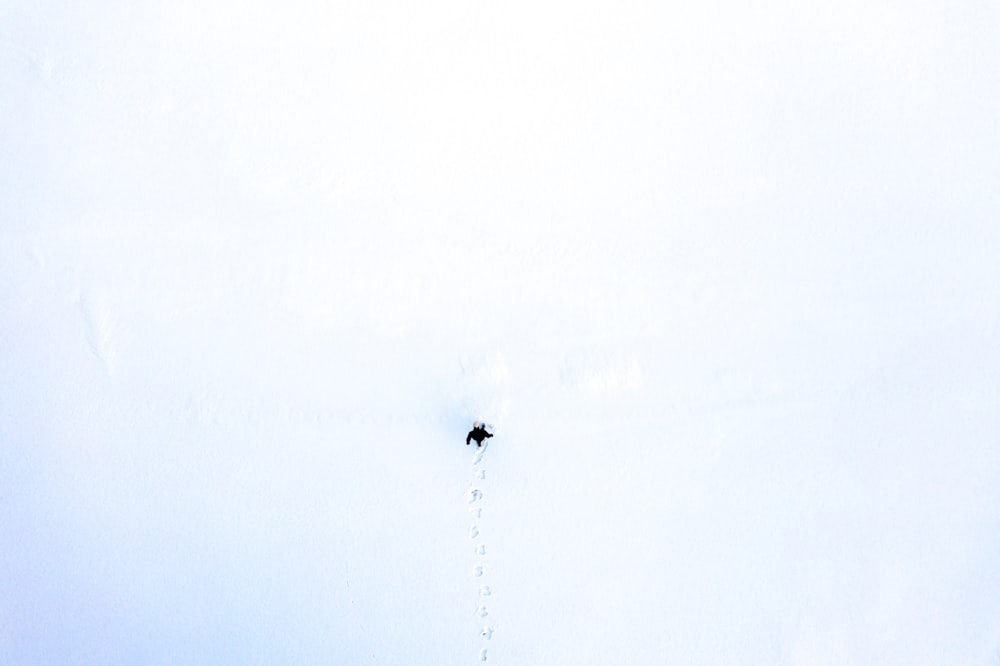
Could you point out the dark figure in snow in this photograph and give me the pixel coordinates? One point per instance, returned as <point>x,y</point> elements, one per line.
<point>477,433</point>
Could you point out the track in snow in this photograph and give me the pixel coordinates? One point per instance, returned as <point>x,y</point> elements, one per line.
<point>476,500</point>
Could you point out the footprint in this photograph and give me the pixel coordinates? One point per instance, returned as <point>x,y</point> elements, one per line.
<point>484,590</point>
<point>476,512</point>
<point>473,532</point>
<point>481,550</point>
<point>482,655</point>
<point>475,495</point>
<point>487,633</point>
<point>481,474</point>
<point>477,571</point>
<point>482,612</point>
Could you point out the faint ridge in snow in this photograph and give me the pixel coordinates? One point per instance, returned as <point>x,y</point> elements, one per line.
<point>485,390</point>
<point>105,336</point>
<point>596,373</point>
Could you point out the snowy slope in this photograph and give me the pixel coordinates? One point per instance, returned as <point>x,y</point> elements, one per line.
<point>724,281</point>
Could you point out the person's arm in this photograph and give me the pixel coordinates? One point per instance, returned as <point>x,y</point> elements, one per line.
<point>487,434</point>
<point>468,437</point>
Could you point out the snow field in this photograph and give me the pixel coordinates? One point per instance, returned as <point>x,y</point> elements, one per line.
<point>724,276</point>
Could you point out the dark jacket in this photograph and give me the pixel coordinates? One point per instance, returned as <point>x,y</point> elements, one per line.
<point>479,434</point>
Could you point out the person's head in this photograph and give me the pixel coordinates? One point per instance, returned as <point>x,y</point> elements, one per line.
<point>475,425</point>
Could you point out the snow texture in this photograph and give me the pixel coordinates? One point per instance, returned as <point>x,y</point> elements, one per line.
<point>723,277</point>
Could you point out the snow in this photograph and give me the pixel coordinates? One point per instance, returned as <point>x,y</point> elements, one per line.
<point>723,279</point>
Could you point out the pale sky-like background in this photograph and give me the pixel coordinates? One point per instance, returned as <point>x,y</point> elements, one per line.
<point>723,277</point>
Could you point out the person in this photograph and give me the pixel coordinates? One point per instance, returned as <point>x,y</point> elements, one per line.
<point>477,433</point>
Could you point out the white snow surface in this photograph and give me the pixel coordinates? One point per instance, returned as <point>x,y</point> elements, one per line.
<point>723,279</point>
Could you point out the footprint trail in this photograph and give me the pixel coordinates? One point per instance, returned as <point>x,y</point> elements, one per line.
<point>477,502</point>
